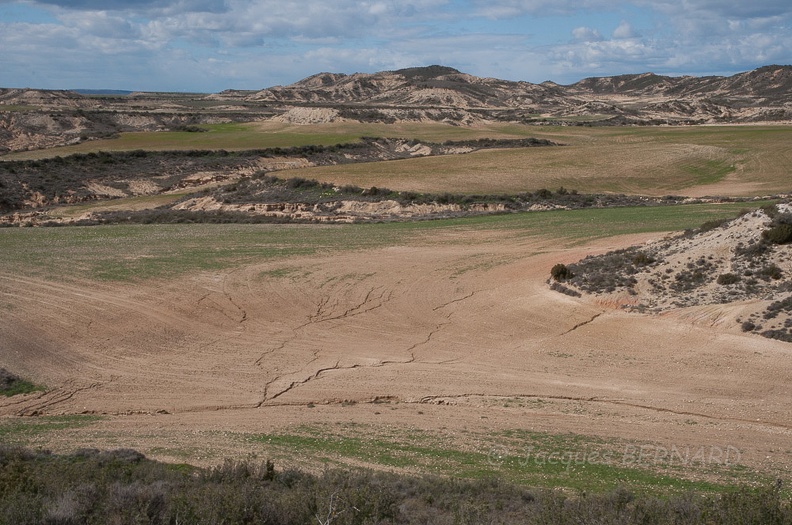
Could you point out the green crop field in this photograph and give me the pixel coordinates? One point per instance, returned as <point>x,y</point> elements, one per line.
<point>727,160</point>
<point>711,160</point>
<point>566,461</point>
<point>255,135</point>
<point>134,252</point>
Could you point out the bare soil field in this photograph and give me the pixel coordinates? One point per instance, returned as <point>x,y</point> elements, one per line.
<point>441,351</point>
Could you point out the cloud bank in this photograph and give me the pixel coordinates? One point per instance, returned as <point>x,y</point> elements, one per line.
<point>210,45</point>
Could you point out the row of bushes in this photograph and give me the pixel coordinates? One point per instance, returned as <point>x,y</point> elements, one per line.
<point>265,188</point>
<point>61,179</point>
<point>168,216</point>
<point>123,486</point>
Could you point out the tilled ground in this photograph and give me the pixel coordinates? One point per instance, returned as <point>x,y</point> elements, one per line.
<point>454,339</point>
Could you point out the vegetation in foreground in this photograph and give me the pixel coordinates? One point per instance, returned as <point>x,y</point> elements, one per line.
<point>122,486</point>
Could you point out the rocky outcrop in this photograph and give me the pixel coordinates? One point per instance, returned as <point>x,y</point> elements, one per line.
<point>341,211</point>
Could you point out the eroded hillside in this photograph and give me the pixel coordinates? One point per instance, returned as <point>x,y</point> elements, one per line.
<point>734,271</point>
<point>36,119</point>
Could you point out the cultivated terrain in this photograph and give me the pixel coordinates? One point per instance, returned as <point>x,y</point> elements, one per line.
<point>242,275</point>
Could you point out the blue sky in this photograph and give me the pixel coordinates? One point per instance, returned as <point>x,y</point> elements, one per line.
<point>211,45</point>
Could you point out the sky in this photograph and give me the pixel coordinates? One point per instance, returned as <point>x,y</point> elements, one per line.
<point>212,45</point>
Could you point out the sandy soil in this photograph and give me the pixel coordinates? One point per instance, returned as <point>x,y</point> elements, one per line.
<point>437,333</point>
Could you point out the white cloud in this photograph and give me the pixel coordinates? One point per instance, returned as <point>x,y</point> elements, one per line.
<point>718,8</point>
<point>499,9</point>
<point>590,58</point>
<point>101,24</point>
<point>624,30</point>
<point>586,34</point>
<point>217,44</point>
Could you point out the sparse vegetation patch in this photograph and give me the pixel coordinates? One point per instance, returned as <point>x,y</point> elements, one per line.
<point>610,272</point>
<point>11,385</point>
<point>693,269</point>
<point>122,486</point>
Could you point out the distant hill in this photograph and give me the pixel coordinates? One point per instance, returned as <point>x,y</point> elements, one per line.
<point>760,95</point>
<point>36,119</point>
<point>117,92</point>
<point>773,83</point>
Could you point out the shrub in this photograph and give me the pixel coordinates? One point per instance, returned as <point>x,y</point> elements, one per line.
<point>728,278</point>
<point>780,335</point>
<point>642,259</point>
<point>36,487</point>
<point>609,272</point>
<point>754,249</point>
<point>543,194</point>
<point>777,307</point>
<point>771,210</point>
<point>778,234</point>
<point>560,272</point>
<point>688,280</point>
<point>557,287</point>
<point>713,224</point>
<point>770,271</point>
<point>300,182</point>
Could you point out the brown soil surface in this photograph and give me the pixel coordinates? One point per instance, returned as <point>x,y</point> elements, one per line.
<point>423,336</point>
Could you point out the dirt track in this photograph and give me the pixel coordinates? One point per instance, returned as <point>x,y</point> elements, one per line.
<point>440,332</point>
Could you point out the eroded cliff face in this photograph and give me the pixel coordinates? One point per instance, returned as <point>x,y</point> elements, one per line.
<point>33,128</point>
<point>431,93</point>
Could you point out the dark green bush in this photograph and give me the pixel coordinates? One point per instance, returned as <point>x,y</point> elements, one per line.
<point>11,385</point>
<point>778,234</point>
<point>558,287</point>
<point>770,271</point>
<point>780,335</point>
<point>728,278</point>
<point>560,272</point>
<point>713,224</point>
<point>752,250</point>
<point>124,487</point>
<point>642,259</point>
<point>543,194</point>
<point>771,210</point>
<point>777,307</point>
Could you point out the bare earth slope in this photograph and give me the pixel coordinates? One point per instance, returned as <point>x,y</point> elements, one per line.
<point>436,334</point>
